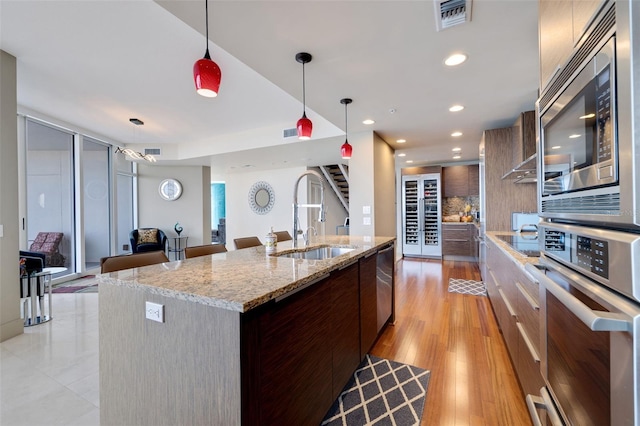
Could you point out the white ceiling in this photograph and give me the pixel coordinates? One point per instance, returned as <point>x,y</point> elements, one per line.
<point>97,63</point>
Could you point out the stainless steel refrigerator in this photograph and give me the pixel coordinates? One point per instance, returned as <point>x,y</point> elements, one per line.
<point>422,215</point>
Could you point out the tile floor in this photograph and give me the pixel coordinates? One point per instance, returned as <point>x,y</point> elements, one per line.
<point>49,374</point>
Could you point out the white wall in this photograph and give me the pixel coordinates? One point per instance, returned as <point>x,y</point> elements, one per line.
<point>10,322</point>
<point>243,222</point>
<point>361,184</point>
<point>385,188</point>
<point>192,209</point>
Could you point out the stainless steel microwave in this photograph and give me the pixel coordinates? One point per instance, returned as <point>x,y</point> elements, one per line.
<point>589,128</point>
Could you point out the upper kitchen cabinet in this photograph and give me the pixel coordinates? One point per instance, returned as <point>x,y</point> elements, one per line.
<point>561,24</point>
<point>523,149</point>
<point>523,137</point>
<point>460,181</point>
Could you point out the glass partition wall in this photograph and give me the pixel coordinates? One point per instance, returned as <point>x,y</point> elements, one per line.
<point>96,202</point>
<point>78,195</point>
<point>50,194</point>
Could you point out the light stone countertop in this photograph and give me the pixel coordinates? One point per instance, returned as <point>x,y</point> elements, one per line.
<point>241,280</point>
<point>517,257</point>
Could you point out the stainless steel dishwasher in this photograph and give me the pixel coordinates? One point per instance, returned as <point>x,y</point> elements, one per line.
<point>385,271</point>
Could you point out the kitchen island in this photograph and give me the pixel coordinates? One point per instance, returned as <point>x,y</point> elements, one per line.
<point>245,338</point>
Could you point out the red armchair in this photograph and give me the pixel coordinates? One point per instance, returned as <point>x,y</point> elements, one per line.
<point>48,243</point>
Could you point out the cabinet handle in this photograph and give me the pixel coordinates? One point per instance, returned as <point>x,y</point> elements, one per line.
<point>506,303</point>
<point>495,280</point>
<point>348,264</point>
<point>302,287</point>
<point>527,341</point>
<point>544,402</point>
<point>534,305</point>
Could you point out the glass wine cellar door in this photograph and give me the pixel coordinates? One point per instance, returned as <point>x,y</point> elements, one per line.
<point>422,215</point>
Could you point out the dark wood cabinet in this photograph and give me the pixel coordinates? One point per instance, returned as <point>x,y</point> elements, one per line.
<point>295,363</point>
<point>455,181</point>
<point>474,179</point>
<point>458,240</point>
<point>460,181</point>
<point>523,137</point>
<point>368,304</point>
<point>345,325</point>
<point>300,351</point>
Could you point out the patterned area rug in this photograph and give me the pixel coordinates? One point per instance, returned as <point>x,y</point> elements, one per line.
<point>76,289</point>
<point>475,288</point>
<point>86,284</point>
<point>381,392</point>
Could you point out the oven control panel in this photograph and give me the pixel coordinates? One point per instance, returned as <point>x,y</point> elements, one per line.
<point>592,255</point>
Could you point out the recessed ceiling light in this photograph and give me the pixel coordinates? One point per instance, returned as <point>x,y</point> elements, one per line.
<point>456,134</point>
<point>456,157</point>
<point>368,121</point>
<point>402,154</point>
<point>409,161</point>
<point>456,108</point>
<point>401,140</point>
<point>584,117</point>
<point>455,59</point>
<point>575,135</point>
<point>556,147</point>
<point>456,149</point>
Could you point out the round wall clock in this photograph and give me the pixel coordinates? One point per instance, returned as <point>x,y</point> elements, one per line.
<point>170,189</point>
<point>261,197</point>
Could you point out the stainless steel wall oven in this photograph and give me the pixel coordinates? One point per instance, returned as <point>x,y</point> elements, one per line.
<point>590,315</point>
<point>589,149</point>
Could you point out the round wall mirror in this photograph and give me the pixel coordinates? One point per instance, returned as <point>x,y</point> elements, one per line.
<point>261,197</point>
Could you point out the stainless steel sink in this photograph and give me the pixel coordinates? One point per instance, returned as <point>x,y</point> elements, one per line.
<point>318,253</point>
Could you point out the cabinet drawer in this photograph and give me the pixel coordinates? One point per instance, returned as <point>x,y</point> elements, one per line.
<point>528,310</point>
<point>457,232</point>
<point>456,247</point>
<point>528,364</point>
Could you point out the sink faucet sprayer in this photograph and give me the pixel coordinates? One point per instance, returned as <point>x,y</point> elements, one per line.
<point>296,206</point>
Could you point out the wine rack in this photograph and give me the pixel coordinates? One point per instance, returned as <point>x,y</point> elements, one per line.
<point>431,219</point>
<point>411,213</point>
<point>421,215</point>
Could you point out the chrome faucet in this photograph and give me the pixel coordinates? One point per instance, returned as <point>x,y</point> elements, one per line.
<point>296,206</point>
<point>306,237</point>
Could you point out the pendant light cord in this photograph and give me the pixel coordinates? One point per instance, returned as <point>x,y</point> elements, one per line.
<point>206,17</point>
<point>304,103</point>
<point>346,123</point>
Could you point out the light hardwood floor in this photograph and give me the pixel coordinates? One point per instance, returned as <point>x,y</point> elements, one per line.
<point>456,337</point>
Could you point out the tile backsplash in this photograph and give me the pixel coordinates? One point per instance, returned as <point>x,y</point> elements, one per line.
<point>455,205</point>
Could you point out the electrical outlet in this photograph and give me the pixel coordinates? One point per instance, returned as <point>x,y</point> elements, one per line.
<point>125,247</point>
<point>366,209</point>
<point>366,220</point>
<point>154,311</point>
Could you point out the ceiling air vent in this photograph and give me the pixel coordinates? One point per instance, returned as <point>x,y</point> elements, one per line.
<point>152,151</point>
<point>289,133</point>
<point>451,12</point>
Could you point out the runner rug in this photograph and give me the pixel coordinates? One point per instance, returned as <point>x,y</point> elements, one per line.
<point>381,392</point>
<point>475,288</point>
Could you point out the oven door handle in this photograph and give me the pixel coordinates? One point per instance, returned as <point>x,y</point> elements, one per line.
<point>595,320</point>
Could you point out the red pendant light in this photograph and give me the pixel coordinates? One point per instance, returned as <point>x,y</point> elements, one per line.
<point>304,125</point>
<point>206,73</point>
<point>346,148</point>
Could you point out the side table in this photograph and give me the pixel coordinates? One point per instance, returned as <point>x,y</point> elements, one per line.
<point>179,244</point>
<point>39,285</point>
